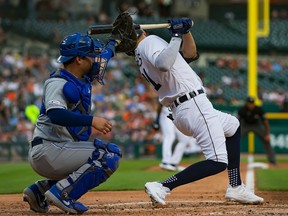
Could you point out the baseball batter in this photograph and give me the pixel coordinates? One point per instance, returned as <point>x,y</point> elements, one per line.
<point>60,149</point>
<point>171,158</point>
<point>181,89</point>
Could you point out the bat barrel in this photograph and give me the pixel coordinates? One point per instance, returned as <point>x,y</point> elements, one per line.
<point>99,29</point>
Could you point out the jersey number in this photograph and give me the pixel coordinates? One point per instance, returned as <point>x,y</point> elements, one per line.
<point>157,86</point>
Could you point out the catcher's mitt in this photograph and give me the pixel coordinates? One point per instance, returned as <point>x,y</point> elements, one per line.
<point>124,31</point>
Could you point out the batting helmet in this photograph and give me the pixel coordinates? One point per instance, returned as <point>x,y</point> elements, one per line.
<point>77,44</point>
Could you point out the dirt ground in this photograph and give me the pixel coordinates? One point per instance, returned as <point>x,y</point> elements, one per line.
<point>204,197</point>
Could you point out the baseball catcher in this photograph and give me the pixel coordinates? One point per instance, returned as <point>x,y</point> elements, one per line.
<point>124,33</point>
<point>61,150</point>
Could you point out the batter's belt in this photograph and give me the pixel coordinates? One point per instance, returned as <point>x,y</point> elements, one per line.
<point>187,96</point>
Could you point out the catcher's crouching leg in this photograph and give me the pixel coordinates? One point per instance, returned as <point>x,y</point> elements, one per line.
<point>102,164</point>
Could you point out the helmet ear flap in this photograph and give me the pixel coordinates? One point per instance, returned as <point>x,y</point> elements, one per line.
<point>139,32</point>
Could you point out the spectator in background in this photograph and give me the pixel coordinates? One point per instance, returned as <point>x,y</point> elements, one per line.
<point>144,9</point>
<point>252,119</point>
<point>103,18</point>
<point>164,7</point>
<point>3,38</point>
<point>56,36</point>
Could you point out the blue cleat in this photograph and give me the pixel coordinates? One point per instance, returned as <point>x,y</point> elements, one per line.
<point>35,198</point>
<point>68,205</point>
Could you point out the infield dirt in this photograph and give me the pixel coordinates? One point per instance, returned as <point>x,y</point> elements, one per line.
<point>204,197</point>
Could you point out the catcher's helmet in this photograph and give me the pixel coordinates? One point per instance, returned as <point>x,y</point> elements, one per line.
<point>76,44</point>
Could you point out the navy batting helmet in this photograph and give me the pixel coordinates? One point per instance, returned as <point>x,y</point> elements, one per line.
<point>76,44</point>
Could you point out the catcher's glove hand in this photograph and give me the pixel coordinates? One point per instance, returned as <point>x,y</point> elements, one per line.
<point>123,31</point>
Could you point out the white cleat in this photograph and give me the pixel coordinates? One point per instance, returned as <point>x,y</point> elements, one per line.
<point>168,167</point>
<point>242,194</point>
<point>157,192</point>
<point>180,168</point>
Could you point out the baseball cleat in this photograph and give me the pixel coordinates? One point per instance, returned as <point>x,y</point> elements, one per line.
<point>243,195</point>
<point>35,198</point>
<point>168,167</point>
<point>180,168</point>
<point>68,205</point>
<point>171,167</point>
<point>157,192</point>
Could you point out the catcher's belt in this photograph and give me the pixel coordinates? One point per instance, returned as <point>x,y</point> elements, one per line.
<point>36,142</point>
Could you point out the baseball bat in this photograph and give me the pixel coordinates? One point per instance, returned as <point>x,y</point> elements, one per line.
<point>104,29</point>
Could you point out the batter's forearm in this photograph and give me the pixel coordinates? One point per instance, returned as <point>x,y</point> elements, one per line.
<point>167,57</point>
<point>189,48</point>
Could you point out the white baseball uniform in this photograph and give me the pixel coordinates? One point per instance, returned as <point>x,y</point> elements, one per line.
<point>169,134</point>
<point>194,117</point>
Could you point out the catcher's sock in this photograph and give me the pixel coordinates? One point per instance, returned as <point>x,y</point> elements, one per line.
<point>45,185</point>
<point>233,151</point>
<point>194,172</point>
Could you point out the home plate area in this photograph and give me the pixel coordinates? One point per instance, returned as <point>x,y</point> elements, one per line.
<point>203,197</point>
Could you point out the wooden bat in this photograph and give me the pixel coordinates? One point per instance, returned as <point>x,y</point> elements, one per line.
<point>104,29</point>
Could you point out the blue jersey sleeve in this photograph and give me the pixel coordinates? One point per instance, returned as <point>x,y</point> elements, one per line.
<point>64,117</point>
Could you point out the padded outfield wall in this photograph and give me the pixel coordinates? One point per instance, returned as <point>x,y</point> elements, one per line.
<point>278,130</point>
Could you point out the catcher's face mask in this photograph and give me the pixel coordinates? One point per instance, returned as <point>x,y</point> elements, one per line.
<point>99,65</point>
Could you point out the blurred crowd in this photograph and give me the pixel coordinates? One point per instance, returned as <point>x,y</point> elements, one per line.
<point>126,98</point>
<point>91,11</point>
<point>276,72</point>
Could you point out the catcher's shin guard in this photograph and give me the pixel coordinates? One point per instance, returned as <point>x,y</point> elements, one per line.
<point>100,167</point>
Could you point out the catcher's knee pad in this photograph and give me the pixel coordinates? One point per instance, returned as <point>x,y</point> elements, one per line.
<point>108,154</point>
<point>103,147</point>
<point>85,178</point>
<point>111,147</point>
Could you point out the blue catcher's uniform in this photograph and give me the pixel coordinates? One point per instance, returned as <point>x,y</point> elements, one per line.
<point>60,149</point>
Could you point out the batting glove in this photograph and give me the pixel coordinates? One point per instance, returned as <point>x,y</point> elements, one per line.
<point>179,26</point>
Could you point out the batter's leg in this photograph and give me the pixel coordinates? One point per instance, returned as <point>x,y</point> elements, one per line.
<point>233,151</point>
<point>194,172</point>
<point>236,190</point>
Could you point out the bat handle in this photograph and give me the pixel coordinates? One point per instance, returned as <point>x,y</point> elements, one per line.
<point>136,26</point>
